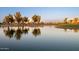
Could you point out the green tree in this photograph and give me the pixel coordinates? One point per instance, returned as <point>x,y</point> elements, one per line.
<point>36,18</point>
<point>8,19</point>
<point>11,18</point>
<point>25,19</point>
<point>65,20</point>
<point>18,17</point>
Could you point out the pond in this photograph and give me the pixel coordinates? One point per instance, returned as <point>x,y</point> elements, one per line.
<point>47,38</point>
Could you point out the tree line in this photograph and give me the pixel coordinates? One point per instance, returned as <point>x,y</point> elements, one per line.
<point>17,18</point>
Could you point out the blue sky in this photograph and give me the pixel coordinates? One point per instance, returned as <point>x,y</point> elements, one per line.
<point>47,13</point>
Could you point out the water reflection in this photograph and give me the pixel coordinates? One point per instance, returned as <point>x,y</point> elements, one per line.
<point>74,30</point>
<point>17,33</point>
<point>65,29</point>
<point>36,32</point>
<point>9,32</point>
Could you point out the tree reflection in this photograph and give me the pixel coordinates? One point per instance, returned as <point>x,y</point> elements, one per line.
<point>75,30</point>
<point>25,31</point>
<point>19,31</point>
<point>65,29</point>
<point>36,32</point>
<point>9,32</point>
<point>18,34</point>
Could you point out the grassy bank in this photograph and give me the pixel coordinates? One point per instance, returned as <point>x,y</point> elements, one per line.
<point>68,26</point>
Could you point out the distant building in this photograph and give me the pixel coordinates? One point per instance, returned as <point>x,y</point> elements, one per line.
<point>73,21</point>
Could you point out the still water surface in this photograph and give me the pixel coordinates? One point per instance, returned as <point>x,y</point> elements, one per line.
<point>46,38</point>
